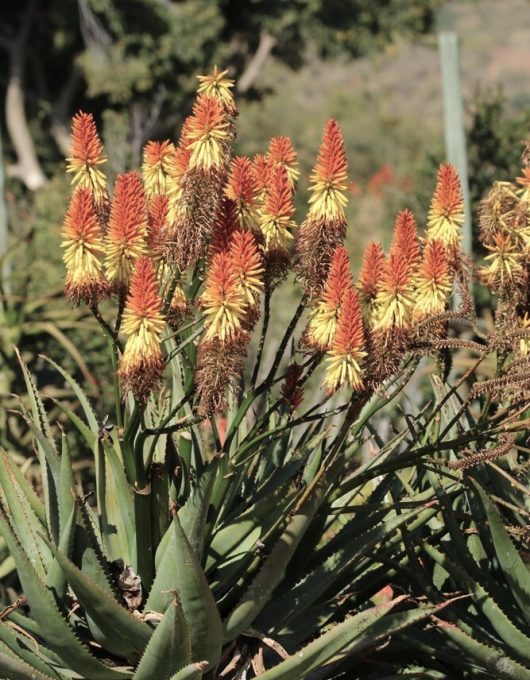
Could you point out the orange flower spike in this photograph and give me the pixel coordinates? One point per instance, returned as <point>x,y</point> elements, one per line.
<point>329,179</point>
<point>128,228</point>
<point>432,282</point>
<point>208,134</point>
<point>395,298</point>
<point>83,249</point>
<point>158,208</point>
<point>218,86</point>
<point>281,152</point>
<point>142,365</point>
<point>247,265</point>
<point>370,279</point>
<point>372,268</point>
<point>406,238</point>
<point>86,155</point>
<point>324,316</point>
<point>223,300</point>
<point>262,168</point>
<point>446,214</point>
<point>156,166</point>
<point>343,363</point>
<point>225,225</point>
<point>242,189</point>
<point>276,217</point>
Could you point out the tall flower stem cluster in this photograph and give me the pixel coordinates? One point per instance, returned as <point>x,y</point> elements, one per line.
<point>199,236</point>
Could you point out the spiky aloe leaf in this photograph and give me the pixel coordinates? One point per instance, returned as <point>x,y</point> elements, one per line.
<point>180,571</point>
<point>495,660</point>
<point>79,393</point>
<point>25,486</point>
<point>19,645</point>
<point>28,527</point>
<point>320,651</point>
<point>123,633</point>
<point>501,623</point>
<point>338,564</point>
<point>56,580</point>
<point>194,513</point>
<point>512,565</point>
<point>169,648</point>
<point>55,629</point>
<point>119,505</point>
<point>15,669</point>
<point>66,490</point>
<point>194,671</point>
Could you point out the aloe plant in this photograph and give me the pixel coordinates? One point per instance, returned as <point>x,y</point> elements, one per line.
<point>234,527</point>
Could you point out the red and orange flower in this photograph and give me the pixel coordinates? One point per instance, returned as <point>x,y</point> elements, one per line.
<point>142,364</point>
<point>128,229</point>
<point>344,359</point>
<point>86,157</point>
<point>83,251</point>
<point>446,214</point>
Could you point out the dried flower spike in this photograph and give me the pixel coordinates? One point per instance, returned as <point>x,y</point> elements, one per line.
<point>142,365</point>
<point>292,392</point>
<point>446,214</point>
<point>505,264</point>
<point>128,228</point>
<point>343,363</point>
<point>83,251</point>
<point>86,155</point>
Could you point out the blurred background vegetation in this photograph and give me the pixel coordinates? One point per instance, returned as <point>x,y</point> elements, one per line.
<point>373,64</point>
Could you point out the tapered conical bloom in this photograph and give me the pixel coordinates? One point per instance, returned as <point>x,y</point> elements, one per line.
<point>242,190</point>
<point>370,279</point>
<point>343,363</point>
<point>325,226</point>
<point>86,156</point>
<point>217,85</point>
<point>128,228</point>
<point>325,314</point>
<point>156,166</point>
<point>446,214</point>
<point>432,282</point>
<point>83,250</point>
<point>262,168</point>
<point>223,300</point>
<point>395,298</point>
<point>405,238</point>
<point>505,264</point>
<point>247,265</point>
<point>142,365</point>
<point>157,211</point>
<point>281,152</point>
<point>276,217</point>
<point>225,226</point>
<point>208,134</point>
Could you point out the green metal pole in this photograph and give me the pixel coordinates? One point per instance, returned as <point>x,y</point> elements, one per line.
<point>455,134</point>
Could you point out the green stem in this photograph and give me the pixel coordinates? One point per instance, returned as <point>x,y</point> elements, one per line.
<point>266,319</point>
